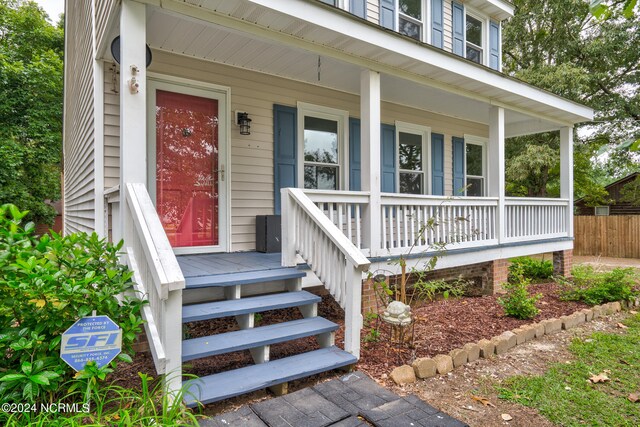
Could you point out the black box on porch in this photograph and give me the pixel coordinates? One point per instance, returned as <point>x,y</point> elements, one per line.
<point>268,233</point>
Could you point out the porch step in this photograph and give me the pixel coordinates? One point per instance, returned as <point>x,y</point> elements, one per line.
<point>244,278</point>
<point>254,337</point>
<point>217,309</point>
<point>228,384</point>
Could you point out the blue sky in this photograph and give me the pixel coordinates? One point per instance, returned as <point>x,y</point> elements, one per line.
<point>53,8</point>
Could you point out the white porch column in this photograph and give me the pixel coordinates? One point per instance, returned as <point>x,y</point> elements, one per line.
<point>566,173</point>
<point>370,157</point>
<point>496,166</point>
<point>133,103</point>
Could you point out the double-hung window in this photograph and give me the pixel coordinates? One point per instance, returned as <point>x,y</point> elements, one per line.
<point>323,136</point>
<point>410,18</point>
<point>475,168</point>
<point>413,142</point>
<point>474,28</point>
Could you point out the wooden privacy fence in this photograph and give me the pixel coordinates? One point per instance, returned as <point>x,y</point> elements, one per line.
<point>609,236</point>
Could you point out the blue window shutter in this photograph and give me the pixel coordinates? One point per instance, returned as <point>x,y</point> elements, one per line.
<point>437,164</point>
<point>358,8</point>
<point>437,23</point>
<point>458,28</point>
<point>458,166</point>
<point>355,162</point>
<point>388,159</point>
<point>388,14</point>
<point>285,148</point>
<point>494,45</point>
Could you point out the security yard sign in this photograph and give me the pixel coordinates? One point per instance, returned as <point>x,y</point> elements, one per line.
<point>95,338</point>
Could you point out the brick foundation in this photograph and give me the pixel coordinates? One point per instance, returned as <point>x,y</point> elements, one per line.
<point>563,262</point>
<point>368,297</point>
<point>487,277</point>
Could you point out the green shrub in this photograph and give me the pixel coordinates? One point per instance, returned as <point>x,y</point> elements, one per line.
<point>113,405</point>
<point>593,287</point>
<point>518,302</point>
<point>531,268</point>
<point>427,290</point>
<point>46,284</point>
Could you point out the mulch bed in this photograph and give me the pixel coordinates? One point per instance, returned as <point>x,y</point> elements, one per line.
<point>441,326</point>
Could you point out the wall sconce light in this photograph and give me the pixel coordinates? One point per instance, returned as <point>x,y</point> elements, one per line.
<point>244,122</point>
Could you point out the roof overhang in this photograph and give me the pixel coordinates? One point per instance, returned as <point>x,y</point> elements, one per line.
<point>251,33</point>
<point>497,9</point>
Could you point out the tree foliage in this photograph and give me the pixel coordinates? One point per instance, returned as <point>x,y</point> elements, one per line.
<point>630,193</point>
<point>560,46</point>
<point>31,70</point>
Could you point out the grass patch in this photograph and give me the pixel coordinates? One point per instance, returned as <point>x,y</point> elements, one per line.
<point>566,397</point>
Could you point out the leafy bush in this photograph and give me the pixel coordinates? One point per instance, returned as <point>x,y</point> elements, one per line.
<point>518,302</point>
<point>46,284</point>
<point>427,290</point>
<point>594,287</point>
<point>113,405</point>
<point>531,268</point>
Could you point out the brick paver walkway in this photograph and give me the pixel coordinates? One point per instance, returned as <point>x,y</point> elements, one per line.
<point>350,401</point>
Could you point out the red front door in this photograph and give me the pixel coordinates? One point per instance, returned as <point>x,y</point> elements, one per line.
<point>187,188</point>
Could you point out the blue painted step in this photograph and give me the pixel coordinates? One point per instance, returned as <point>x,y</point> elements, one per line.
<point>236,307</point>
<point>229,342</point>
<point>224,385</point>
<point>244,278</point>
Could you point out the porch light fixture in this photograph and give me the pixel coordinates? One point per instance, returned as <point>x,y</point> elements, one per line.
<point>244,122</point>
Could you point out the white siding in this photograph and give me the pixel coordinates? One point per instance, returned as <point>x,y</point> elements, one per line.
<point>252,155</point>
<point>373,11</point>
<point>78,145</point>
<point>104,10</point>
<point>448,26</point>
<point>111,128</point>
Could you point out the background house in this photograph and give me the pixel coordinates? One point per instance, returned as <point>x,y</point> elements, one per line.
<point>616,206</point>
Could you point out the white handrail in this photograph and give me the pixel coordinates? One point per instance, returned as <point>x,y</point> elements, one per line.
<point>344,209</point>
<point>337,262</point>
<point>535,201</point>
<point>159,277</point>
<point>355,257</point>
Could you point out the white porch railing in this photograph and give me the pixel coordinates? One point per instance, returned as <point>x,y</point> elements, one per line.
<point>431,222</point>
<point>427,223</point>
<point>159,278</point>
<point>344,209</point>
<point>308,232</point>
<point>535,218</point>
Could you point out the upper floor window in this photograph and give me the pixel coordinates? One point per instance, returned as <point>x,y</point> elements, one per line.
<point>410,17</point>
<point>475,37</point>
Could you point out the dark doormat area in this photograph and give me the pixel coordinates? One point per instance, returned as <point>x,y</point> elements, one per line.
<point>350,401</point>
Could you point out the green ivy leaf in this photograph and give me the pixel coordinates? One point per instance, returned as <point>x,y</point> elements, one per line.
<point>125,358</point>
<point>12,377</point>
<point>39,379</point>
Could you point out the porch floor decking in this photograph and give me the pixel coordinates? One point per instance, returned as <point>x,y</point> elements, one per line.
<point>227,263</point>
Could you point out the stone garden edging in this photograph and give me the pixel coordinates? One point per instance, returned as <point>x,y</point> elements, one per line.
<point>427,367</point>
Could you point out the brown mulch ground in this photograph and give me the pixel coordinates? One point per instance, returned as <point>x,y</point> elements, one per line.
<point>444,325</point>
<point>441,326</point>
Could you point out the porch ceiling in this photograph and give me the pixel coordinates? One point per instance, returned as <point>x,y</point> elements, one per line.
<point>283,45</point>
